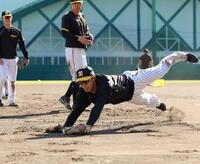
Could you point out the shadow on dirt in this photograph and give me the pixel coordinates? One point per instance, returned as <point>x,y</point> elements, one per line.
<point>119,130</point>
<point>28,115</point>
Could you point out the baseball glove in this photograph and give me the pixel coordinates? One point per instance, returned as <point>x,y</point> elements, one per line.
<point>22,63</point>
<point>80,129</point>
<point>90,37</point>
<point>54,129</point>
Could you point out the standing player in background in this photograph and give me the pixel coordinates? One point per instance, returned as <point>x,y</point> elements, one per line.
<point>10,36</point>
<point>75,30</point>
<point>145,61</point>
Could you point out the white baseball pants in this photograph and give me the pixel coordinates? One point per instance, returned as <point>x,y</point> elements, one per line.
<point>5,88</point>
<point>8,71</point>
<point>76,58</point>
<point>143,78</point>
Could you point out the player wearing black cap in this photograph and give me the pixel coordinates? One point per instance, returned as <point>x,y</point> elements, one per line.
<point>10,36</point>
<point>75,30</point>
<point>102,89</point>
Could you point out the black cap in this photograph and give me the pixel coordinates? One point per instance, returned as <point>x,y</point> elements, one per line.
<point>6,13</point>
<point>84,74</point>
<point>76,1</point>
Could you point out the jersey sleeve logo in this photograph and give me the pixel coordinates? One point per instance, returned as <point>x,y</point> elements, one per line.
<point>64,29</point>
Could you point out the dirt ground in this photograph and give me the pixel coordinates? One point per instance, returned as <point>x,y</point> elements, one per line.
<point>124,133</point>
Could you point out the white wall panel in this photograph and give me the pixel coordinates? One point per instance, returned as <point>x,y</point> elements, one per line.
<point>146,23</point>
<point>183,24</point>
<point>94,19</point>
<point>127,23</point>
<point>14,4</point>
<point>32,24</point>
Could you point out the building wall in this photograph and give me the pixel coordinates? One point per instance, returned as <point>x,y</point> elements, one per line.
<point>122,28</point>
<point>13,4</point>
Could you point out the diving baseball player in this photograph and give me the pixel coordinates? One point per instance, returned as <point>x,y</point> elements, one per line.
<point>114,89</point>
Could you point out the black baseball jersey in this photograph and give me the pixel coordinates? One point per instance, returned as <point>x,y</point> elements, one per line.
<point>72,27</point>
<point>112,89</point>
<point>145,61</point>
<point>9,38</point>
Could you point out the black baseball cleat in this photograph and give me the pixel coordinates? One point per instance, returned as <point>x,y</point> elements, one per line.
<point>13,105</point>
<point>66,102</point>
<point>1,104</point>
<point>192,58</point>
<point>162,107</point>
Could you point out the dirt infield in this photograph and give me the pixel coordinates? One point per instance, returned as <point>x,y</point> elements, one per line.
<point>124,134</point>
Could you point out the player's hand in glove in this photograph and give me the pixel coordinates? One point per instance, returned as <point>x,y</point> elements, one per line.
<point>54,129</point>
<point>91,38</point>
<point>22,63</point>
<point>79,129</point>
<point>86,40</point>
